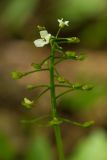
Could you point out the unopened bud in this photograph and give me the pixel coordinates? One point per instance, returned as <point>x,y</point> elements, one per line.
<point>16,74</point>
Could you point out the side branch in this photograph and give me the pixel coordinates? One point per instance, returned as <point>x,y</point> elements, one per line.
<point>44,60</point>
<point>41,93</point>
<point>63,85</point>
<point>84,125</point>
<point>30,87</point>
<point>64,93</point>
<point>30,72</point>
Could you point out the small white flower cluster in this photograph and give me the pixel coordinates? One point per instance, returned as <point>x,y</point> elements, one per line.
<point>45,36</point>
<point>63,23</point>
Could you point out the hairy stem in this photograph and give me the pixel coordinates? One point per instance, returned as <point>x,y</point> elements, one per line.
<point>54,109</point>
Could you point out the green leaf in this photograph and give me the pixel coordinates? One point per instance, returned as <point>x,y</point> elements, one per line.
<point>94,147</point>
<point>40,149</point>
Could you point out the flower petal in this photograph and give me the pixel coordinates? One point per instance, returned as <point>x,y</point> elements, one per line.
<point>27,101</point>
<point>66,23</point>
<point>60,20</point>
<point>47,38</point>
<point>40,42</point>
<point>43,33</point>
<point>62,23</point>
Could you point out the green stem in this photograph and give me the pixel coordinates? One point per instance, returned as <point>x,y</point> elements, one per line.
<point>44,91</point>
<point>59,142</point>
<point>58,32</point>
<point>30,87</point>
<point>52,84</point>
<point>64,93</point>
<point>33,71</point>
<point>54,109</point>
<point>44,60</point>
<point>63,85</point>
<point>34,120</point>
<point>60,60</point>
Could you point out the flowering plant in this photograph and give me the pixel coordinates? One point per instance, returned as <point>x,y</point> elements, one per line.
<point>56,80</point>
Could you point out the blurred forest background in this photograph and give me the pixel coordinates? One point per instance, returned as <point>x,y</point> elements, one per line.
<point>18,21</point>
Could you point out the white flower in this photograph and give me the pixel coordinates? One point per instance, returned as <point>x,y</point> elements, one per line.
<point>45,37</point>
<point>27,103</point>
<point>63,23</point>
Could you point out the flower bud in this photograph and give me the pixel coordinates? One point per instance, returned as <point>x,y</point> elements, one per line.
<point>73,40</point>
<point>27,103</point>
<point>41,28</point>
<point>30,86</point>
<point>60,79</point>
<point>88,124</point>
<point>87,87</point>
<point>36,66</point>
<point>70,54</point>
<point>16,75</point>
<point>77,86</point>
